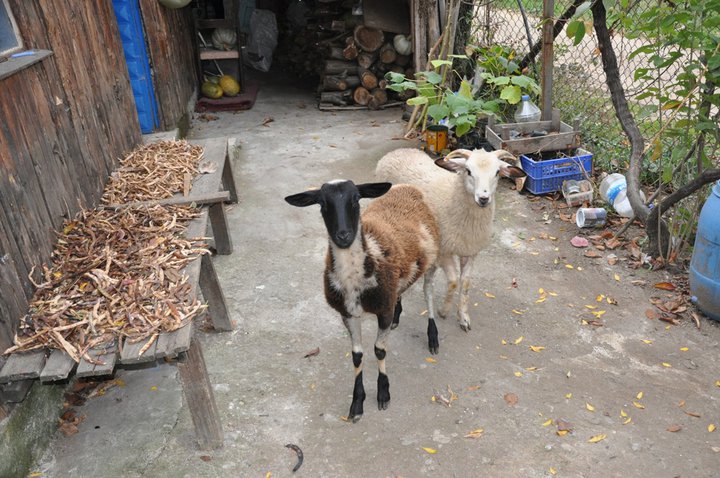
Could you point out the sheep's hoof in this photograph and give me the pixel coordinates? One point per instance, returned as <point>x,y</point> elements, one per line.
<point>383,404</point>
<point>355,418</point>
<point>465,327</point>
<point>394,325</point>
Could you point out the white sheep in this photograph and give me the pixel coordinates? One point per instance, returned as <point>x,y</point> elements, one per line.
<point>371,260</point>
<point>463,204</point>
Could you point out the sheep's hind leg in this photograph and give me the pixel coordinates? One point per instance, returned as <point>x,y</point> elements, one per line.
<point>428,290</point>
<point>466,263</point>
<point>383,384</point>
<point>396,315</point>
<point>447,263</point>
<point>354,328</point>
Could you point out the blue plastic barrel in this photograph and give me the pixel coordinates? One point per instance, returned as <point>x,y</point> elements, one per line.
<point>705,262</point>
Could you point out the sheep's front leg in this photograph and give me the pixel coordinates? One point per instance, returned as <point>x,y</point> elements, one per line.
<point>447,263</point>
<point>466,263</point>
<point>396,315</point>
<point>353,326</point>
<point>428,290</point>
<point>383,384</point>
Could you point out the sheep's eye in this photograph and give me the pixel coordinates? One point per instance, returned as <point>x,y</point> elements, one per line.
<point>469,173</point>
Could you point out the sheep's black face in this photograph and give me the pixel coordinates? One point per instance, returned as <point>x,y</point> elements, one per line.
<point>339,202</point>
<point>340,209</point>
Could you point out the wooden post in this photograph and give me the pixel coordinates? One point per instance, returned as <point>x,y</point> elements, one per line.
<point>228,179</point>
<point>546,81</point>
<point>200,398</point>
<point>213,294</point>
<point>218,220</point>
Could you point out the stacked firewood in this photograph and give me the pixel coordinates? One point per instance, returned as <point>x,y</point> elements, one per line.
<point>355,67</point>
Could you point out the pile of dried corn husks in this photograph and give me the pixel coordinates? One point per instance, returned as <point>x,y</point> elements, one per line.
<point>117,273</point>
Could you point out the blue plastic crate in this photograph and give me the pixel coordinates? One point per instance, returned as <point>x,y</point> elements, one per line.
<point>547,176</point>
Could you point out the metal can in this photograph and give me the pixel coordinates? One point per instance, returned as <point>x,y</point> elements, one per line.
<point>436,136</point>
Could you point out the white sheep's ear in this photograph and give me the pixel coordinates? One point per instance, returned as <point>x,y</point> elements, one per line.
<point>455,161</point>
<point>508,171</point>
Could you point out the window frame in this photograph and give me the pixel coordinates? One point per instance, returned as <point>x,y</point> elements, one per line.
<point>20,44</point>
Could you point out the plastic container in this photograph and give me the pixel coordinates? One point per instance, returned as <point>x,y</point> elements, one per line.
<point>621,204</point>
<point>548,176</point>
<point>527,111</point>
<point>705,262</point>
<point>611,186</point>
<point>577,192</point>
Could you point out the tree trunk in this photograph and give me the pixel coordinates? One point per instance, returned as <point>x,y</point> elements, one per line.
<point>334,83</point>
<point>368,80</point>
<point>351,50</point>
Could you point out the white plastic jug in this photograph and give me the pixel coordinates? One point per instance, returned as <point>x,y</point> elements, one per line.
<point>611,186</point>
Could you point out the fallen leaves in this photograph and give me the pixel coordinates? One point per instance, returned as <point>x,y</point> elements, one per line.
<point>592,253</point>
<point>674,428</point>
<point>578,241</point>
<point>477,433</point>
<point>597,438</point>
<point>639,405</point>
<point>589,407</point>
<point>431,451</point>
<point>511,399</point>
<point>665,286</point>
<point>536,348</point>
<point>312,353</point>
<point>711,428</point>
<point>430,360</point>
<point>267,120</point>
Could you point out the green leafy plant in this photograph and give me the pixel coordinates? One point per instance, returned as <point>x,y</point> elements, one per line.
<point>439,102</point>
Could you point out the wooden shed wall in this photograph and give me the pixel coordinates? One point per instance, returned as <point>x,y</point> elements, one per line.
<point>170,37</point>
<point>64,122</point>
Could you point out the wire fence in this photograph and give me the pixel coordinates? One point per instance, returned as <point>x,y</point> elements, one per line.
<point>579,85</point>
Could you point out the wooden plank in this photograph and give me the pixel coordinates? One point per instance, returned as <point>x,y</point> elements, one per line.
<point>197,199</point>
<point>213,294</point>
<point>131,352</point>
<point>20,366</point>
<point>105,354</point>
<point>15,392</point>
<point>228,179</point>
<point>172,344</point>
<point>200,398</point>
<point>13,65</point>
<point>59,366</point>
<point>214,152</point>
<point>218,219</point>
<point>219,54</point>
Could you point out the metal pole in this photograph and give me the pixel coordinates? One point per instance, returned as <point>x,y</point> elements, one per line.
<point>547,60</point>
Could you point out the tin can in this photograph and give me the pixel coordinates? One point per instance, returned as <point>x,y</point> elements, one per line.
<point>436,136</point>
<point>590,217</point>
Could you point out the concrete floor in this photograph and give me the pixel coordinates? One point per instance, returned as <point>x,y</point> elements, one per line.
<point>269,395</point>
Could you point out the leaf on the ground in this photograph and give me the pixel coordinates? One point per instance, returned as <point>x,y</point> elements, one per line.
<point>674,428</point>
<point>536,348</point>
<point>597,438</point>
<point>684,349</point>
<point>553,294</point>
<point>68,429</point>
<point>473,388</point>
<point>431,451</point>
<point>598,313</point>
<point>518,374</point>
<point>612,259</point>
<point>666,365</point>
<point>600,298</point>
<point>518,312</point>
<point>205,458</point>
<point>562,432</point>
<point>639,405</point>
<point>681,403</point>
<point>566,217</point>
<point>268,475</point>
<point>475,433</point>
<point>717,383</point>
<point>665,286</point>
<point>579,241</point>
<point>511,399</point>
<point>531,369</point>
<point>568,395</point>
<point>692,414</point>
<point>623,413</point>
<point>611,301</point>
<point>589,407</point>
<point>627,420</point>
<point>651,314</point>
<point>547,423</point>
<point>552,471</point>
<point>430,360</point>
<point>648,342</point>
<point>569,266</point>
<point>563,426</point>
<point>503,341</point>
<point>613,243</point>
<point>312,353</point>
<point>592,253</point>
<point>640,395</point>
<point>541,300</point>
<point>590,306</point>
<point>519,339</point>
<point>267,120</point>
<point>616,277</point>
<point>711,428</point>
<point>514,283</point>
<point>344,418</point>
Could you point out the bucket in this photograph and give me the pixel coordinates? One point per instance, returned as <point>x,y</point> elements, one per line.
<point>705,262</point>
<point>436,136</point>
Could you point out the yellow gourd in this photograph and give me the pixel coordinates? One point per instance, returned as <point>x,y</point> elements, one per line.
<point>229,86</point>
<point>211,90</point>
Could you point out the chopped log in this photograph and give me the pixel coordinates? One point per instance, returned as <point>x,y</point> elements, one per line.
<point>382,84</point>
<point>339,98</point>
<point>334,83</point>
<point>335,67</point>
<point>368,80</point>
<point>351,49</point>
<point>403,60</point>
<point>388,53</point>
<point>397,69</point>
<point>368,39</point>
<point>336,53</point>
<point>361,96</point>
<point>378,98</point>
<point>366,59</point>
<point>352,81</point>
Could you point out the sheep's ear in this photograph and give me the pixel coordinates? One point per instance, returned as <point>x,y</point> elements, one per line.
<point>308,198</point>
<point>453,165</point>
<point>373,190</point>
<point>508,171</point>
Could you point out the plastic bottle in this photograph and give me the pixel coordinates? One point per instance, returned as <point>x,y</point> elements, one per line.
<point>527,111</point>
<point>613,189</point>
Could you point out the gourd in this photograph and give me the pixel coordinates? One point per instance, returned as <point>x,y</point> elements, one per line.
<point>402,45</point>
<point>229,86</point>
<point>224,38</point>
<point>211,90</point>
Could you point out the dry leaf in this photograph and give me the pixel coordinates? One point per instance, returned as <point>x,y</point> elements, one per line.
<point>473,388</point>
<point>684,349</point>
<point>562,432</point>
<point>597,438</point>
<point>623,413</point>
<point>616,277</point>
<point>312,353</point>
<point>711,428</point>
<point>667,365</point>
<point>627,420</point>
<point>518,374</point>
<point>511,399</point>
<point>535,348</point>
<point>563,426</point>
<point>639,396</point>
<point>489,295</point>
<point>646,341</point>
<point>589,407</point>
<point>674,428</point>
<point>518,340</point>
<point>639,405</point>
<point>569,266</point>
<point>592,253</point>
<point>430,360</point>
<point>515,311</point>
<point>578,241</point>
<point>552,471</point>
<point>267,120</point>
<point>547,423</point>
<point>432,451</point>
<point>665,286</point>
<point>475,433</point>
<point>651,314</point>
<point>692,414</point>
<point>205,458</point>
<point>568,395</point>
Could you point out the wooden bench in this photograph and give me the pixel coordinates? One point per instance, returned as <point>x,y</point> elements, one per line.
<point>48,366</point>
